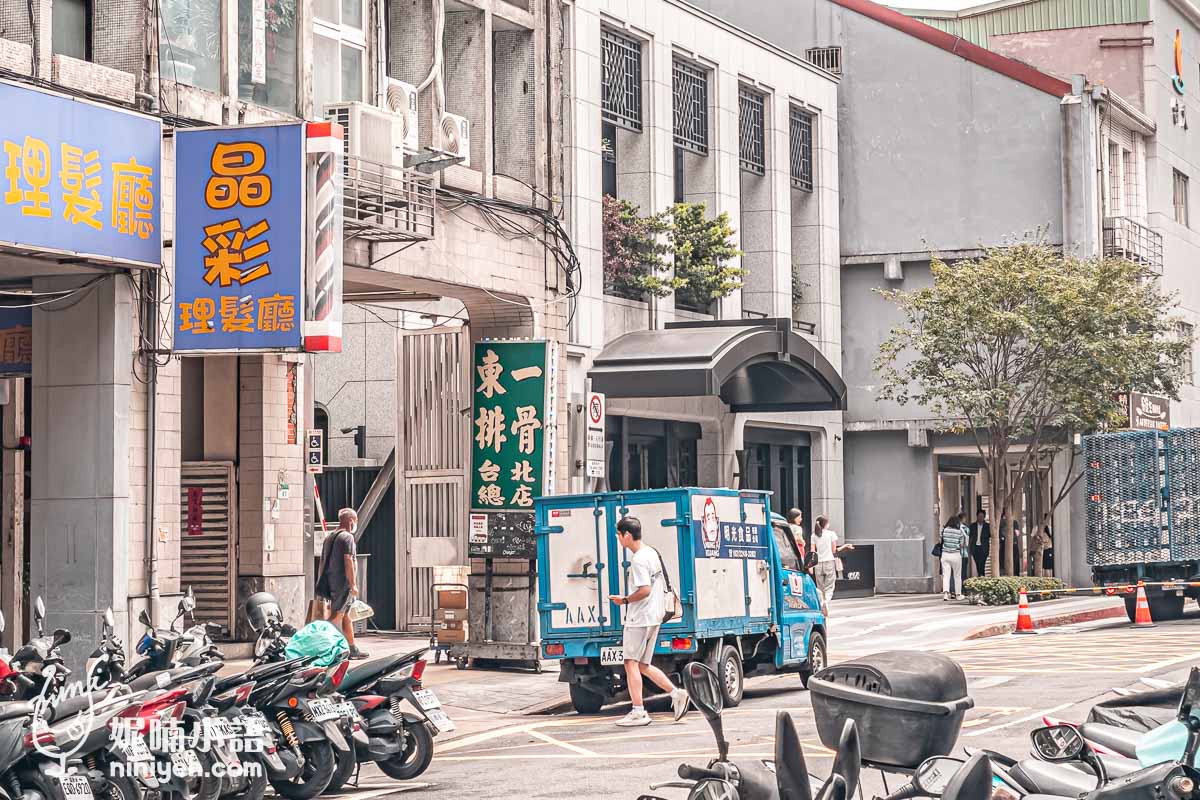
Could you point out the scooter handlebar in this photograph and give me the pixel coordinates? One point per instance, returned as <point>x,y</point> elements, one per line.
<point>691,773</point>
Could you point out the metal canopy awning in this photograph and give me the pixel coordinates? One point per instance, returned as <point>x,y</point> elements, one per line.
<point>753,365</point>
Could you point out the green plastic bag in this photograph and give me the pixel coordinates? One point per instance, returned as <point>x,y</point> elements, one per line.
<point>321,639</point>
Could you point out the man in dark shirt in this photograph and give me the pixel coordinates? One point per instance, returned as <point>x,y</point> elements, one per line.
<point>338,581</point>
<point>980,536</point>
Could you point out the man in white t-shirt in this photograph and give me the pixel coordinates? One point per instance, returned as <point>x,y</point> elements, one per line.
<point>643,614</point>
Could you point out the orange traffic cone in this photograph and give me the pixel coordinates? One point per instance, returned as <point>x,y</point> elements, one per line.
<point>1024,621</point>
<point>1141,617</point>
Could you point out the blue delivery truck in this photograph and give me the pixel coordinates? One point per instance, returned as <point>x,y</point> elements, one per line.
<point>748,607</point>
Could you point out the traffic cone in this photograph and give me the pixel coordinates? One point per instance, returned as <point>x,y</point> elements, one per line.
<point>1141,617</point>
<point>1024,621</point>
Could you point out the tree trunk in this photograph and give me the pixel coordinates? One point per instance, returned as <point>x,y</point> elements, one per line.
<point>997,500</point>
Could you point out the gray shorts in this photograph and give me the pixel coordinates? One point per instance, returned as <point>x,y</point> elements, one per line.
<point>639,643</point>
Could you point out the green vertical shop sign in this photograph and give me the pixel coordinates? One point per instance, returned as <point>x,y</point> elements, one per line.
<point>509,424</point>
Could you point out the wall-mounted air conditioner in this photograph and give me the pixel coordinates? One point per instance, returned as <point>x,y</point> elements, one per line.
<point>402,101</point>
<point>368,132</point>
<point>454,134</point>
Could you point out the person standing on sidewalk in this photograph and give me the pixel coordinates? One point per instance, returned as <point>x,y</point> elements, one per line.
<point>1038,542</point>
<point>966,553</point>
<point>826,545</point>
<point>644,608</point>
<point>337,581</point>
<point>953,542</point>
<point>795,520</point>
<point>981,542</point>
<point>1018,545</point>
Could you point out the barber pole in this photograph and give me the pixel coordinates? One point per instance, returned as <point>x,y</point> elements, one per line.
<point>323,311</point>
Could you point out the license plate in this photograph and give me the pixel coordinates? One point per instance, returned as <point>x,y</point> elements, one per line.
<point>253,727</point>
<point>347,709</point>
<point>219,729</point>
<point>185,764</point>
<point>135,749</point>
<point>426,699</point>
<point>75,787</point>
<point>612,656</point>
<point>323,710</point>
<point>440,719</point>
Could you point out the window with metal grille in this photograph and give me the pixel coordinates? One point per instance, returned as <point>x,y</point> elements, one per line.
<point>690,87</point>
<point>1184,332</point>
<point>621,79</point>
<point>800,134</point>
<point>751,125</point>
<point>827,58</point>
<point>1180,196</point>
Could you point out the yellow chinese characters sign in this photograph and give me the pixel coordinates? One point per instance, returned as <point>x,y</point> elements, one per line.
<point>509,383</point>
<point>239,270</point>
<point>79,177</point>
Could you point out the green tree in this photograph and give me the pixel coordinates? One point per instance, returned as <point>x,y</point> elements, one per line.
<point>635,250</point>
<point>1022,346</point>
<point>704,254</point>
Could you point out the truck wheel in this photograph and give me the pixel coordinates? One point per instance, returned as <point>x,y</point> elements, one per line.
<point>729,673</point>
<point>585,701</point>
<point>817,657</point>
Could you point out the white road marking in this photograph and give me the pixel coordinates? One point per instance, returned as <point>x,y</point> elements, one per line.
<point>990,682</point>
<point>1029,718</point>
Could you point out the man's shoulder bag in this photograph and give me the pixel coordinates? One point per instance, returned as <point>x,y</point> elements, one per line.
<point>674,608</point>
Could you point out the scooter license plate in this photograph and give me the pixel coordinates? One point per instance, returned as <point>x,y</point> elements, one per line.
<point>185,764</point>
<point>427,699</point>
<point>135,749</point>
<point>440,719</point>
<point>75,787</point>
<point>347,709</point>
<point>219,729</point>
<point>612,656</point>
<point>323,710</point>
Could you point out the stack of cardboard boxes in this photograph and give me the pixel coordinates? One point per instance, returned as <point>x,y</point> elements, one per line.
<point>450,615</point>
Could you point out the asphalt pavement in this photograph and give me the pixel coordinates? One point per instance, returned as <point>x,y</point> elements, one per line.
<point>1013,679</point>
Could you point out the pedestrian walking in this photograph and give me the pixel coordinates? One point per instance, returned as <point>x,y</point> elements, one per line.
<point>953,541</point>
<point>1039,542</point>
<point>337,580</point>
<point>980,537</point>
<point>1018,545</point>
<point>826,544</point>
<point>966,552</point>
<point>1048,548</point>
<point>644,608</point>
<point>795,520</point>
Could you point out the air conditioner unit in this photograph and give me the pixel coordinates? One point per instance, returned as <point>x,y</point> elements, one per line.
<point>455,135</point>
<point>369,132</point>
<point>402,101</point>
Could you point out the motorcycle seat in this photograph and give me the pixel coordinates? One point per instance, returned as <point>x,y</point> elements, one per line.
<point>75,705</point>
<point>1119,766</point>
<point>1056,779</point>
<point>366,673</point>
<point>259,672</point>
<point>14,710</point>
<point>1120,740</point>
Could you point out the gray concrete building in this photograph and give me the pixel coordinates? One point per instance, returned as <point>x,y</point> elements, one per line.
<point>944,148</point>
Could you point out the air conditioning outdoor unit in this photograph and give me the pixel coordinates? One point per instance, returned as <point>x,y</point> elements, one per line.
<point>368,132</point>
<point>402,101</point>
<point>455,135</point>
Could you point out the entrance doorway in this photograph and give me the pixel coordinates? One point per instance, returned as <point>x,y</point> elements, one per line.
<point>652,453</point>
<point>780,462</point>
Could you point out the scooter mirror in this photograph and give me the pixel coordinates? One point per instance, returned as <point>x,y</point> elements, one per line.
<point>834,789</point>
<point>260,645</point>
<point>61,636</point>
<point>972,781</point>
<point>703,688</point>
<point>847,763</point>
<point>713,789</point>
<point>791,770</point>
<point>2,622</point>
<point>1057,743</point>
<point>187,603</point>
<point>935,773</point>
<point>39,609</point>
<point>144,618</point>
<point>109,620</point>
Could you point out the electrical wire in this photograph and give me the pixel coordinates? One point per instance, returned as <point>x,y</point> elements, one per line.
<point>58,296</point>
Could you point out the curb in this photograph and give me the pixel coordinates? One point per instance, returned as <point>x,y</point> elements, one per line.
<point>1051,621</point>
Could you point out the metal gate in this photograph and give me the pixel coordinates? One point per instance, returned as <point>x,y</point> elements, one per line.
<point>208,533</point>
<point>431,456</point>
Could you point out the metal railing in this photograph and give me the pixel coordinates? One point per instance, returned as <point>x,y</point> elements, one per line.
<point>827,58</point>
<point>385,202</point>
<point>1129,239</point>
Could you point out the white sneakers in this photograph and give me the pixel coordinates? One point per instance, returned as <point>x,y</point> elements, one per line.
<point>679,703</point>
<point>638,718</point>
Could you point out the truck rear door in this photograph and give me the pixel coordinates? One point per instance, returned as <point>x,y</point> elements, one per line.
<point>573,568</point>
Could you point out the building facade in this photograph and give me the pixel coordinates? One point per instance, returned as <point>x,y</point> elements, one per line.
<point>132,470</point>
<point>960,150</point>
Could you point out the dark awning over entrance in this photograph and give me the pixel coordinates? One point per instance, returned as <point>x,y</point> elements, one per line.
<point>753,365</point>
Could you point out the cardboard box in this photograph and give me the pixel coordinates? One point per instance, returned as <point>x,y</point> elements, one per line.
<point>448,636</point>
<point>452,598</point>
<point>457,614</point>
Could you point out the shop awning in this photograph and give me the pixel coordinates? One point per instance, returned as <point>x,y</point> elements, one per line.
<point>753,365</point>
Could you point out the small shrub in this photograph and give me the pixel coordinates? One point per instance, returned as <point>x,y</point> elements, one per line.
<point>1003,591</point>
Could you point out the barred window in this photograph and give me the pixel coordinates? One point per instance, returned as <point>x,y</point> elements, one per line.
<point>690,87</point>
<point>800,134</point>
<point>621,79</point>
<point>827,58</point>
<point>751,136</point>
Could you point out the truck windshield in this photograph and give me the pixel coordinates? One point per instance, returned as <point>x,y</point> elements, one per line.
<point>787,547</point>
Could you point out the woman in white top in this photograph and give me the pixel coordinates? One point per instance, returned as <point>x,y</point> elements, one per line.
<point>826,545</point>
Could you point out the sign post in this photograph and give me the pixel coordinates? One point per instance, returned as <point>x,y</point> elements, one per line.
<point>594,451</point>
